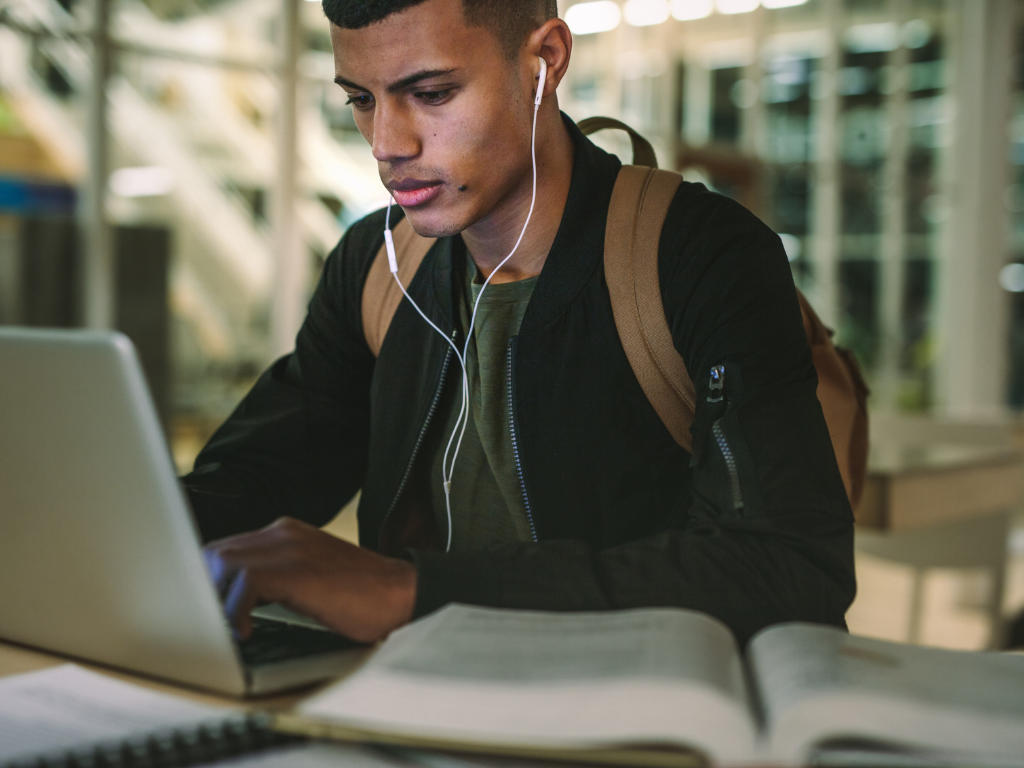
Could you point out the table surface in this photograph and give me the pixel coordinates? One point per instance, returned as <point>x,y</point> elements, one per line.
<point>891,458</point>
<point>921,484</point>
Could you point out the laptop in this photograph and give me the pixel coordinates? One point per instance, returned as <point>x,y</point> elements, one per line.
<point>100,558</point>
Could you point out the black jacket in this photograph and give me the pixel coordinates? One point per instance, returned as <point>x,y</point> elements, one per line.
<point>753,528</point>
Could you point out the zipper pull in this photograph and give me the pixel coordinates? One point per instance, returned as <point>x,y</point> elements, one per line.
<point>716,384</point>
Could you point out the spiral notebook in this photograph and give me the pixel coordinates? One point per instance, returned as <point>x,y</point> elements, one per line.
<point>69,716</point>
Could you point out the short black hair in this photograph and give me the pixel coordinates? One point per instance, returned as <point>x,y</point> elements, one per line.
<point>510,20</point>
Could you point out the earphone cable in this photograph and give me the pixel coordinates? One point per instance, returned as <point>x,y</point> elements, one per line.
<point>469,334</point>
<point>448,470</point>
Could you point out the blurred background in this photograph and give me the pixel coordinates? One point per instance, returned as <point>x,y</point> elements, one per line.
<point>179,169</point>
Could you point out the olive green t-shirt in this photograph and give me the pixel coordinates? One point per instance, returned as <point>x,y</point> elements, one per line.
<point>486,496</point>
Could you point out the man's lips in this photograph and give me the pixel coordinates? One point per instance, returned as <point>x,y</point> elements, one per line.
<point>409,194</point>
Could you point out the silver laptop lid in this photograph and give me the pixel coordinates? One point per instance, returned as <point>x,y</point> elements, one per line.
<point>99,557</point>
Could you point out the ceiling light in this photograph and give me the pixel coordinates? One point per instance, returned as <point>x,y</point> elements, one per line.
<point>644,13</point>
<point>588,18</point>
<point>688,10</point>
<point>872,38</point>
<point>771,4</point>
<point>917,33</point>
<point>737,6</point>
<point>146,181</point>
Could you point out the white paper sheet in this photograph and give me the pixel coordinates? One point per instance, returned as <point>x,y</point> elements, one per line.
<point>67,707</point>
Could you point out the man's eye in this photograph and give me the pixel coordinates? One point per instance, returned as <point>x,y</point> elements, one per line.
<point>360,101</point>
<point>434,97</point>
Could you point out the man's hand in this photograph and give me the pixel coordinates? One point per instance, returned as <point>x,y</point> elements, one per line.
<point>354,591</point>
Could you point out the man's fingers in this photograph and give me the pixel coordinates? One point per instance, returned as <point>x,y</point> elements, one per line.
<point>354,591</point>
<point>221,571</point>
<point>238,603</point>
<point>264,547</point>
<point>244,566</point>
<point>226,557</point>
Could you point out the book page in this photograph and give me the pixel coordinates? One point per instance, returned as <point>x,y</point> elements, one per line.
<point>819,684</point>
<point>67,707</point>
<point>564,680</point>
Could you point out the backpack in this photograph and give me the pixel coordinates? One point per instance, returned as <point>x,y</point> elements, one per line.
<point>636,214</point>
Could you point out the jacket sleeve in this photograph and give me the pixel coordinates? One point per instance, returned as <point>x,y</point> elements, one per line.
<point>769,534</point>
<point>297,443</point>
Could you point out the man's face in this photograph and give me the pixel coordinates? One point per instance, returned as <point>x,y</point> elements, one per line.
<point>442,108</point>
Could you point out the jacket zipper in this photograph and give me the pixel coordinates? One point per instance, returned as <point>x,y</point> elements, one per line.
<point>515,442</point>
<point>419,440</point>
<point>716,394</point>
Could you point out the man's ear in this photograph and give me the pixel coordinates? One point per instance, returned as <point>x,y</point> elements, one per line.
<point>552,41</point>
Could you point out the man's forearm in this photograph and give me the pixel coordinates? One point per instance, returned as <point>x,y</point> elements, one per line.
<point>749,581</point>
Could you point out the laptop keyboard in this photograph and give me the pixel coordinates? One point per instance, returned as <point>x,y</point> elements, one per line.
<point>273,641</point>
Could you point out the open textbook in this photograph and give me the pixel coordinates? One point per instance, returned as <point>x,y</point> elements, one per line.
<point>662,686</point>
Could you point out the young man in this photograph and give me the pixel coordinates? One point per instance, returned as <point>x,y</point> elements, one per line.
<point>568,493</point>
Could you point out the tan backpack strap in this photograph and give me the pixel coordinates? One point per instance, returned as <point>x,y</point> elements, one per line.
<point>381,295</point>
<point>643,152</point>
<point>639,204</point>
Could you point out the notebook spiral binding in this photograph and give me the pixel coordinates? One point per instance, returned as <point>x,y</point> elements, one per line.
<point>174,748</point>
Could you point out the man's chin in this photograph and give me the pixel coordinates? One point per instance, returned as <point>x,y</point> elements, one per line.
<point>433,223</point>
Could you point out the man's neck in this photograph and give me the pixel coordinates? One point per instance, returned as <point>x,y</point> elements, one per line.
<point>492,238</point>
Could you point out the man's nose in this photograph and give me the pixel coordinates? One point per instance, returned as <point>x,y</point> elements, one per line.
<point>394,135</point>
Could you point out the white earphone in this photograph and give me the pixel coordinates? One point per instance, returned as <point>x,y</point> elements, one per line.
<point>448,468</point>
<point>542,78</point>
